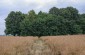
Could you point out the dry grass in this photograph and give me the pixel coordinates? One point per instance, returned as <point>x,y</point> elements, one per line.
<point>58,45</point>
<point>66,45</point>
<point>16,45</point>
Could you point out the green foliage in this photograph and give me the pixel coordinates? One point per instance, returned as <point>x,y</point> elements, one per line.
<point>69,13</point>
<point>26,28</point>
<point>54,11</point>
<point>73,27</point>
<point>61,21</point>
<point>81,22</point>
<point>13,23</point>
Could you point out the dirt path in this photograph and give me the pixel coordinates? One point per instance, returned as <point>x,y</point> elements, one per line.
<point>40,48</point>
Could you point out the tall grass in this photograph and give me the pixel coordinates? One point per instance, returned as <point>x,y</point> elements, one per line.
<point>16,45</point>
<point>66,45</point>
<point>55,45</point>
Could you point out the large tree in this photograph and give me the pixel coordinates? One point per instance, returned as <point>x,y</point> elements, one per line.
<point>25,25</point>
<point>81,22</point>
<point>54,11</point>
<point>13,23</point>
<point>58,21</point>
<point>69,13</point>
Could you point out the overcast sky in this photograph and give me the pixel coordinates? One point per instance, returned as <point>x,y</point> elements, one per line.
<point>26,5</point>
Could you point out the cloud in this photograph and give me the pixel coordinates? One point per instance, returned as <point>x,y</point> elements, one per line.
<point>26,5</point>
<point>2,25</point>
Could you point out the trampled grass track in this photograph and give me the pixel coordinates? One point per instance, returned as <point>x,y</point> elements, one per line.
<point>40,48</point>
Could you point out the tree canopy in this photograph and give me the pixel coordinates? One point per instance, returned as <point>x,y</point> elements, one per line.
<point>58,21</point>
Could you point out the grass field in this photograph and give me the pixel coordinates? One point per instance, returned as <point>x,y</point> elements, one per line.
<point>16,45</point>
<point>56,45</point>
<point>66,45</point>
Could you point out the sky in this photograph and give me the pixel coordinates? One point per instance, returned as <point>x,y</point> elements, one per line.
<point>6,6</point>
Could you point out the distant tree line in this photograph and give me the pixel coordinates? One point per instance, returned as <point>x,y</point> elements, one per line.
<point>58,21</point>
